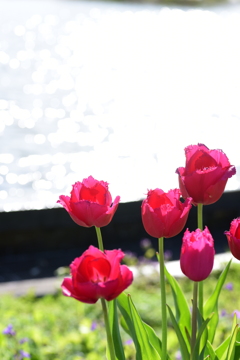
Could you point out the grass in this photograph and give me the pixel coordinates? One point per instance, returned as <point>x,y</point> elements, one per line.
<point>60,328</point>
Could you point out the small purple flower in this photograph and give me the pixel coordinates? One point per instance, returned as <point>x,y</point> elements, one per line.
<point>229,286</point>
<point>178,355</point>
<point>223,313</point>
<point>237,312</point>
<point>93,326</point>
<point>24,354</point>
<point>167,255</point>
<point>129,254</point>
<point>128,342</point>
<point>9,330</point>
<point>23,340</point>
<point>145,243</point>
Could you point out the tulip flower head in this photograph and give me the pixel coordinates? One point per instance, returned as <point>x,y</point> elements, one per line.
<point>205,174</point>
<point>163,214</point>
<point>97,275</point>
<point>233,237</point>
<point>197,254</point>
<point>90,203</point>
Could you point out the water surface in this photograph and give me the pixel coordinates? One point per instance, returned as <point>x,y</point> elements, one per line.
<point>115,91</point>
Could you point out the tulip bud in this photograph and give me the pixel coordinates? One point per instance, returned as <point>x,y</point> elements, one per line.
<point>233,237</point>
<point>197,254</point>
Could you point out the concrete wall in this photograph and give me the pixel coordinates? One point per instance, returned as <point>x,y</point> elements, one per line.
<point>34,243</point>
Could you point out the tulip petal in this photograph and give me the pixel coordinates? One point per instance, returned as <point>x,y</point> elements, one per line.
<point>76,191</point>
<point>67,287</point>
<point>65,202</point>
<point>220,158</point>
<point>205,188</point>
<point>101,269</point>
<point>96,194</point>
<point>111,289</point>
<point>114,257</point>
<point>105,218</point>
<point>158,198</point>
<point>88,212</point>
<point>192,149</point>
<point>88,292</point>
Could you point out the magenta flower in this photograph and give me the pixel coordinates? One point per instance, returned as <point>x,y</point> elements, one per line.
<point>197,254</point>
<point>233,237</point>
<point>205,174</point>
<point>97,275</point>
<point>163,214</point>
<point>90,203</point>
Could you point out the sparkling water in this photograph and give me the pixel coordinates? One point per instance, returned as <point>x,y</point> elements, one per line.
<point>115,91</point>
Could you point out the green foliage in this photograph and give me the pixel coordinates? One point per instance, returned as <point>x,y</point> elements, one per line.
<point>61,328</point>
<point>114,324</point>
<point>211,305</point>
<point>183,316</point>
<point>141,337</point>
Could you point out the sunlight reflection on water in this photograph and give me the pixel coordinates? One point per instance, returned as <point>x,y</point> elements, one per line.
<point>112,90</point>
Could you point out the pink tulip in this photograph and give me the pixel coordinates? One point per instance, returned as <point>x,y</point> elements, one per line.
<point>197,254</point>
<point>90,203</point>
<point>163,214</point>
<point>97,275</point>
<point>205,175</point>
<point>233,237</point>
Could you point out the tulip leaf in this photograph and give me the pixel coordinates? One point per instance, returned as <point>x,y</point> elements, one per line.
<point>231,348</point>
<point>124,325</point>
<point>233,338</point>
<point>122,303</point>
<point>221,350</point>
<point>140,335</point>
<point>204,336</point>
<point>183,316</point>
<point>155,341</point>
<point>211,351</point>
<point>199,347</point>
<point>147,349</point>
<point>113,319</point>
<point>212,304</point>
<point>182,342</point>
<point>237,351</point>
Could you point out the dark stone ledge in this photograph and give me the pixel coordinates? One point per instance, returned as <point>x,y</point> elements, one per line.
<point>35,243</point>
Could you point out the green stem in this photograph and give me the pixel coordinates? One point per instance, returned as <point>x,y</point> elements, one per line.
<point>108,330</point>
<point>200,226</point>
<point>99,237</point>
<point>163,299</point>
<point>200,216</point>
<point>194,317</point>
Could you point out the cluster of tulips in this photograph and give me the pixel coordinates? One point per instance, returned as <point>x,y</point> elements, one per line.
<point>98,273</point>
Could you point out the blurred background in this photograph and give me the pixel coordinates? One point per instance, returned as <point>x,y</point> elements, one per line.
<point>115,90</point>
